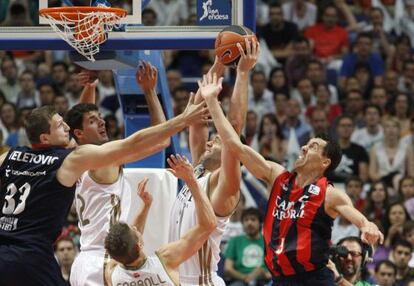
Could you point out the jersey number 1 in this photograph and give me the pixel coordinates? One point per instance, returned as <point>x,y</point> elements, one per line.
<point>10,206</point>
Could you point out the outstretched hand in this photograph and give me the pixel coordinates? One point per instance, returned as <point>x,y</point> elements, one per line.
<point>180,167</point>
<point>211,86</point>
<point>87,78</point>
<point>145,196</point>
<point>195,113</point>
<point>249,57</point>
<point>147,76</point>
<point>371,235</point>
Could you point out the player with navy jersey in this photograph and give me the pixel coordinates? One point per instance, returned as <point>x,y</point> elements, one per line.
<point>38,184</point>
<point>302,204</point>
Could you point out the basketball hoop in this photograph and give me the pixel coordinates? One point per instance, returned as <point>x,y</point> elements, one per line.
<point>84,28</point>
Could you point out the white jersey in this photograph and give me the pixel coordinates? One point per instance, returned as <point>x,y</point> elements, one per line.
<point>200,269</point>
<point>98,206</point>
<point>151,273</point>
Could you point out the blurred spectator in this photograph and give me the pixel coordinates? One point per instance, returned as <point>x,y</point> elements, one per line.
<point>402,110</point>
<point>304,94</point>
<point>250,131</point>
<point>385,273</point>
<point>403,53</point>
<point>47,93</point>
<point>3,148</point>
<point>372,133</point>
<point>278,33</point>
<point>297,63</point>
<point>323,102</point>
<point>60,75</point>
<point>301,12</point>
<point>319,122</point>
<point>278,81</point>
<point>260,99</point>
<point>18,15</point>
<point>390,83</point>
<point>408,234</point>
<point>330,41</point>
<point>107,100</point>
<point>61,104</point>
<point>342,228</point>
<point>149,17</point>
<point>363,53</point>
<point>28,96</point>
<point>353,188</point>
<point>65,251</point>
<point>401,254</point>
<point>354,107</point>
<point>363,75</point>
<point>10,87</point>
<point>272,144</point>
<point>379,98</point>
<point>280,100</point>
<point>409,139</point>
<point>354,161</point>
<point>112,127</point>
<point>9,118</point>
<point>174,79</point>
<point>377,203</point>
<point>406,81</point>
<point>244,262</point>
<point>294,125</point>
<point>395,218</point>
<point>170,12</point>
<point>316,73</point>
<point>391,159</point>
<point>74,89</point>
<point>180,99</point>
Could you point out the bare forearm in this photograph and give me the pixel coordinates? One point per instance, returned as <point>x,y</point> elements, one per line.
<point>204,210</point>
<point>141,218</point>
<point>238,102</point>
<point>88,95</point>
<point>198,136</point>
<point>154,107</point>
<point>354,216</point>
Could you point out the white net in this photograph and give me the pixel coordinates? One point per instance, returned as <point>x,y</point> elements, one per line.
<point>85,31</point>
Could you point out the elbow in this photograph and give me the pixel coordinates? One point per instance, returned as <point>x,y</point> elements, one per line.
<point>166,143</point>
<point>234,146</point>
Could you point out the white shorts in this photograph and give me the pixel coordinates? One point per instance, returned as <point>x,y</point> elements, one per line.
<point>209,280</point>
<point>87,270</point>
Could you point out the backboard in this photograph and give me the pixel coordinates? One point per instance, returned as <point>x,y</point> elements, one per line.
<point>205,19</point>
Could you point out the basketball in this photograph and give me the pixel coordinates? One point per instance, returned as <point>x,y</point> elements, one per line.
<point>226,43</point>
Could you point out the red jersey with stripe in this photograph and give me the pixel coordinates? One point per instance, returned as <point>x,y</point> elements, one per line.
<point>297,231</point>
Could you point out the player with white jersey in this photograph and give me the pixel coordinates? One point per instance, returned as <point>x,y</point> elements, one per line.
<point>219,175</point>
<point>103,196</point>
<point>131,266</point>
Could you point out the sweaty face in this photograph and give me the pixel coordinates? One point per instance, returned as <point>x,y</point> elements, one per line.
<point>352,263</point>
<point>94,131</point>
<point>65,252</point>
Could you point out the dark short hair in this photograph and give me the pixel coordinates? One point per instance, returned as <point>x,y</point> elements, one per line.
<point>332,151</point>
<point>386,263</point>
<point>375,106</point>
<point>63,238</point>
<point>364,35</point>
<point>121,243</point>
<point>408,227</point>
<point>353,179</point>
<point>38,122</point>
<point>149,11</point>
<point>74,117</point>
<point>403,243</point>
<point>252,212</point>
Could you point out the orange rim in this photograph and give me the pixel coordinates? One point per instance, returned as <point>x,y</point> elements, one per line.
<point>72,13</point>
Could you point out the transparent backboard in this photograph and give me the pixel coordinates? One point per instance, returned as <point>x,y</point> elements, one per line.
<point>194,27</point>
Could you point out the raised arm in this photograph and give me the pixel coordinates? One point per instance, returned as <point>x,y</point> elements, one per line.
<point>337,202</point>
<point>174,253</point>
<point>254,162</point>
<point>141,218</point>
<point>238,100</point>
<point>198,133</point>
<point>88,80</point>
<point>135,147</point>
<point>146,77</point>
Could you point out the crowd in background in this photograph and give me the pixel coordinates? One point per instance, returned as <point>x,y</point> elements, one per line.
<point>341,67</point>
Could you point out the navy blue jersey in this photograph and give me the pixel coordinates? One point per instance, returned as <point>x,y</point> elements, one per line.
<point>33,204</point>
